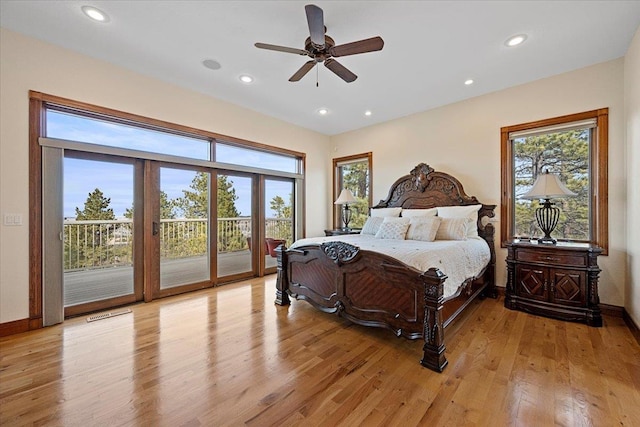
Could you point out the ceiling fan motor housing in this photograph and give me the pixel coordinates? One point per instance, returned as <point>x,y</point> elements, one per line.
<point>319,53</point>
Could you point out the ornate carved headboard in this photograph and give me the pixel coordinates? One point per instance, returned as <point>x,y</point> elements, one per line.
<point>425,188</point>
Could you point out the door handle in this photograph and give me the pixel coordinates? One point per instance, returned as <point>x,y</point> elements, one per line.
<point>155,229</point>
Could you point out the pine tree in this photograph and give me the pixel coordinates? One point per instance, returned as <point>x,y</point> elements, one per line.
<point>89,243</point>
<point>96,207</point>
<point>356,178</point>
<point>167,208</point>
<point>195,204</point>
<point>279,206</point>
<point>226,198</point>
<point>562,153</point>
<point>282,229</point>
<point>231,239</point>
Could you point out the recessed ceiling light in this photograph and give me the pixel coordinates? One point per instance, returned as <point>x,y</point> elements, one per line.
<point>95,14</point>
<point>468,82</point>
<point>323,111</point>
<point>368,113</point>
<point>211,64</point>
<point>246,78</point>
<point>516,40</point>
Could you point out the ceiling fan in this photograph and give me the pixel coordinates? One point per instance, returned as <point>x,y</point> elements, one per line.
<point>321,48</point>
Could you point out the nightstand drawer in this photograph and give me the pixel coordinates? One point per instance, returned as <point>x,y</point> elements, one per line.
<point>555,258</point>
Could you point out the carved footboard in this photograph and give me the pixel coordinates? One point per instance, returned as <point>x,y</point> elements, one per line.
<point>369,289</point>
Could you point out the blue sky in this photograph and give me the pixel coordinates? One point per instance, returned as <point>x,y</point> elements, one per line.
<point>115,180</point>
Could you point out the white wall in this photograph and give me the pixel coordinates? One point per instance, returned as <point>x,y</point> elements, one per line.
<point>463,139</point>
<point>632,113</point>
<point>28,64</point>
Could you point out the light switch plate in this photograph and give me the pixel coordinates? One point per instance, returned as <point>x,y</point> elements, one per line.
<point>12,219</point>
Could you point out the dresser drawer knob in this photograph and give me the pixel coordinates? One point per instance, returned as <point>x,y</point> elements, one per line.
<point>550,258</point>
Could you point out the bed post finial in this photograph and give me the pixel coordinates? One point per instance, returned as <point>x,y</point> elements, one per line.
<point>420,176</point>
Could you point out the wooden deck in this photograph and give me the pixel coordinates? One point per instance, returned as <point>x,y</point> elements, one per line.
<point>94,285</point>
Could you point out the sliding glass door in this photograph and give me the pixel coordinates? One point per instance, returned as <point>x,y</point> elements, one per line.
<point>136,229</point>
<point>235,200</point>
<point>183,228</point>
<point>278,215</point>
<point>99,237</point>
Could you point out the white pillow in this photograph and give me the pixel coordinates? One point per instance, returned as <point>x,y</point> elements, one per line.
<point>393,228</point>
<point>372,225</point>
<point>399,219</point>
<point>384,212</point>
<point>413,213</point>
<point>453,228</point>
<point>423,228</point>
<point>470,211</point>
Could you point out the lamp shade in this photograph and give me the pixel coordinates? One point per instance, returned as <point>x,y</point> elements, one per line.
<point>548,186</point>
<point>345,197</point>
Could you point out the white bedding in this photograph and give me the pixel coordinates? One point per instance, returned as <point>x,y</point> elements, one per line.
<point>458,259</point>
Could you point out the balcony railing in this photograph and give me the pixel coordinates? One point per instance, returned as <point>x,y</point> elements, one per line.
<point>109,243</point>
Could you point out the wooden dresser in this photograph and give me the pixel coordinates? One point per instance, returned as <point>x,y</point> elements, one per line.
<point>559,281</point>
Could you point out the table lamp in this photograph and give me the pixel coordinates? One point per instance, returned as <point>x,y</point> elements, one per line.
<point>344,199</point>
<point>547,186</point>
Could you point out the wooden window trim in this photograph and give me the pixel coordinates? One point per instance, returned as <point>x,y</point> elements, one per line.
<point>36,127</point>
<point>599,174</point>
<point>336,209</point>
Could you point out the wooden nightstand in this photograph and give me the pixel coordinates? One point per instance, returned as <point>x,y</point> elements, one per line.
<point>559,281</point>
<point>340,232</point>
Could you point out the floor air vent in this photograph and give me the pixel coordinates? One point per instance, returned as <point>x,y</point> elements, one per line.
<point>107,315</point>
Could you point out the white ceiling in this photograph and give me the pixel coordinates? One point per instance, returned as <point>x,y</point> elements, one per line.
<point>430,48</point>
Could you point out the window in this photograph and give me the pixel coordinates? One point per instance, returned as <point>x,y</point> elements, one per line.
<point>151,225</point>
<point>575,148</point>
<point>353,173</point>
<point>243,156</point>
<point>73,126</point>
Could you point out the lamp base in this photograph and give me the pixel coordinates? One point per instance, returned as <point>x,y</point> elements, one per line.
<point>346,217</point>
<point>547,240</point>
<point>547,216</point>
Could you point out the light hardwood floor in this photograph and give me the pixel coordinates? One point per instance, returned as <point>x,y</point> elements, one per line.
<point>229,356</point>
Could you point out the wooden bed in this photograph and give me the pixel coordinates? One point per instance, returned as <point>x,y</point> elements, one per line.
<point>372,289</point>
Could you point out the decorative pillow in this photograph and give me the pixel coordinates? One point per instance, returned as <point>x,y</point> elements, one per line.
<point>423,228</point>
<point>393,228</point>
<point>453,228</point>
<point>470,211</point>
<point>385,212</point>
<point>414,213</point>
<point>372,225</point>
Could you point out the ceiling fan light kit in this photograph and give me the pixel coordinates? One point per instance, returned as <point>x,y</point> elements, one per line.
<point>322,49</point>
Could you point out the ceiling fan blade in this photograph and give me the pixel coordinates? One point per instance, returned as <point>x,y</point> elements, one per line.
<point>362,46</point>
<point>340,70</point>
<point>315,18</point>
<point>302,71</point>
<point>281,48</point>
